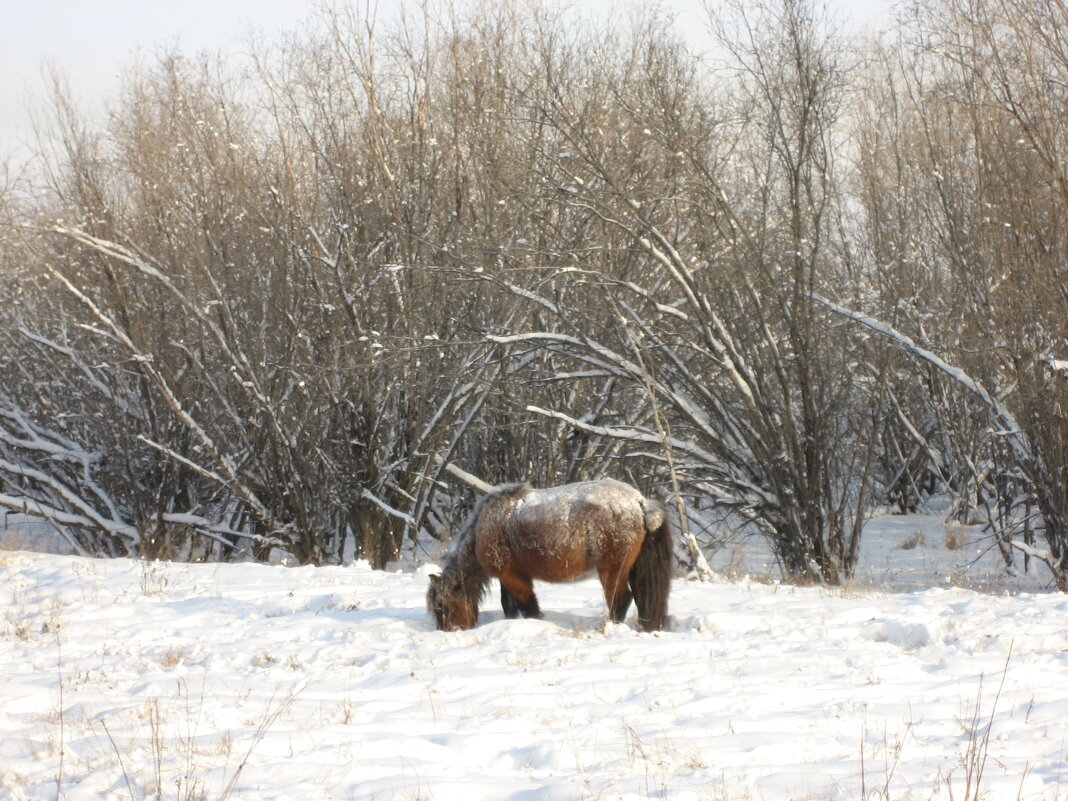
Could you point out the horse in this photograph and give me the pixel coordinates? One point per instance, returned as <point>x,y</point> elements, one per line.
<point>517,534</point>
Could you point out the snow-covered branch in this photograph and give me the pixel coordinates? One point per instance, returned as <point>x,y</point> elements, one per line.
<point>224,463</point>
<point>704,461</point>
<point>1011,429</point>
<point>471,480</point>
<point>38,509</point>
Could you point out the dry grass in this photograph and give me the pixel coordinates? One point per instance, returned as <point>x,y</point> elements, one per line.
<point>9,546</point>
<point>179,759</point>
<point>264,659</point>
<point>956,537</point>
<point>916,539</point>
<point>174,656</point>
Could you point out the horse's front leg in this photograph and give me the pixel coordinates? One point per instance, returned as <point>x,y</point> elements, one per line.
<point>517,595</point>
<point>509,603</point>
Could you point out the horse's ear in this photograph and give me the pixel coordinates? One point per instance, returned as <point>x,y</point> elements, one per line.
<point>435,579</point>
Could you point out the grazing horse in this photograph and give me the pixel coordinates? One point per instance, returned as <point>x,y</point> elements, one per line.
<point>517,534</point>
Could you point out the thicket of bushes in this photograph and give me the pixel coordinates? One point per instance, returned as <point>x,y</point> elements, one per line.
<point>269,300</point>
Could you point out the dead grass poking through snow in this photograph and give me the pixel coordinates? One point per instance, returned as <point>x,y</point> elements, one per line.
<point>956,537</point>
<point>916,539</point>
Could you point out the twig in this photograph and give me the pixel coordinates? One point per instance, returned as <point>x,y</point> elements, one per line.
<point>261,731</point>
<point>118,755</point>
<point>59,672</point>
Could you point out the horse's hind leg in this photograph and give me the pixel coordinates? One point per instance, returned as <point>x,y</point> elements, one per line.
<point>520,592</point>
<point>614,572</point>
<point>621,606</point>
<point>617,594</point>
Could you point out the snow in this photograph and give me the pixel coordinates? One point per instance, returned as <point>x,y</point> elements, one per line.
<point>130,680</point>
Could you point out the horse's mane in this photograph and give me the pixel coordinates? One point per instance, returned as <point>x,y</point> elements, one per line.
<point>468,527</point>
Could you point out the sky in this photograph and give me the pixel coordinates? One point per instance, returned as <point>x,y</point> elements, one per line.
<point>92,41</point>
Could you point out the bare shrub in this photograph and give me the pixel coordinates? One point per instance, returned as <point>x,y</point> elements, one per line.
<point>917,539</point>
<point>956,538</point>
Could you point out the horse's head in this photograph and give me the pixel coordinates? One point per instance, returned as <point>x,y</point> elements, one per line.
<point>453,608</point>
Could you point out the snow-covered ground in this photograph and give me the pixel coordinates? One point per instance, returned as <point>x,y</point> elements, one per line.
<point>128,680</point>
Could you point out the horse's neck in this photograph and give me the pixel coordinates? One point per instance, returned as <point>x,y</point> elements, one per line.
<point>492,510</point>
<point>464,561</point>
<point>496,510</point>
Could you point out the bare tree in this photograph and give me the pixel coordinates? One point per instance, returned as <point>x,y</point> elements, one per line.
<point>713,230</point>
<point>265,309</point>
<point>967,202</point>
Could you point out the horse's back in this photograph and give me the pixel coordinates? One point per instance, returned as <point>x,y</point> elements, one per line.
<point>562,533</point>
<point>560,506</point>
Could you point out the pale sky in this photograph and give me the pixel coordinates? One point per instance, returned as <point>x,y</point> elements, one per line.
<point>91,41</point>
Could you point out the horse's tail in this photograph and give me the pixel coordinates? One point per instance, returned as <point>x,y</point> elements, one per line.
<point>650,578</point>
